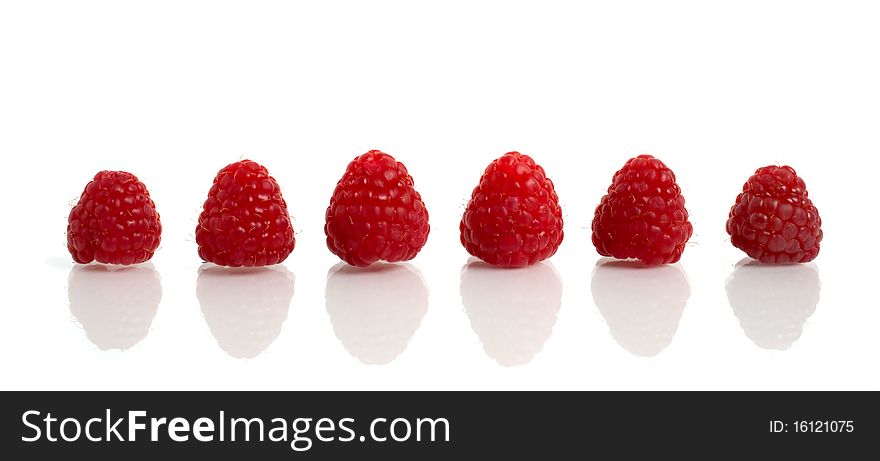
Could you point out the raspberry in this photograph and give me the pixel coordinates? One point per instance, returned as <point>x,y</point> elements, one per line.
<point>375,312</point>
<point>245,308</point>
<point>114,222</point>
<point>643,320</point>
<point>114,305</point>
<point>773,303</point>
<point>773,219</point>
<point>245,220</point>
<point>513,217</point>
<point>512,311</point>
<point>375,213</point>
<point>643,215</point>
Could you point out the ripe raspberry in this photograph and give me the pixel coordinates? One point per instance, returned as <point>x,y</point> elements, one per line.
<point>245,308</point>
<point>513,218</point>
<point>643,215</point>
<point>375,213</point>
<point>114,222</point>
<point>375,312</point>
<point>114,305</point>
<point>245,220</point>
<point>773,219</point>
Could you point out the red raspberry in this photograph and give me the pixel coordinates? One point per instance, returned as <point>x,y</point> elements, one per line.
<point>376,213</point>
<point>773,219</point>
<point>114,222</point>
<point>245,220</point>
<point>643,215</point>
<point>513,218</point>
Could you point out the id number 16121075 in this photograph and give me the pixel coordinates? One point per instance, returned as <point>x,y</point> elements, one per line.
<point>813,426</point>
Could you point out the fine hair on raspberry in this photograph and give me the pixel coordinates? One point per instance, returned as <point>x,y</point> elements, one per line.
<point>114,222</point>
<point>513,218</point>
<point>375,213</point>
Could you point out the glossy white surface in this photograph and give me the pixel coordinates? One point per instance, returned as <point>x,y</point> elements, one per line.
<point>173,91</point>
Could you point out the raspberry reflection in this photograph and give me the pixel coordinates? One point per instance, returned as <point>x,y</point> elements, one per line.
<point>115,305</point>
<point>642,305</point>
<point>245,308</point>
<point>512,310</point>
<point>376,310</point>
<point>773,302</point>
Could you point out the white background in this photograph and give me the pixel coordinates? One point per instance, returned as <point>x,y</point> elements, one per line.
<point>173,91</point>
